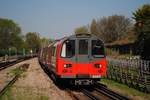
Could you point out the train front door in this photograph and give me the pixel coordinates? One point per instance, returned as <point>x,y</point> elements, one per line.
<point>83,55</point>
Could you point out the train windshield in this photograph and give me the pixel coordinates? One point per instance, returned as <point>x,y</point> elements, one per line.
<point>68,48</point>
<point>97,48</point>
<point>83,47</point>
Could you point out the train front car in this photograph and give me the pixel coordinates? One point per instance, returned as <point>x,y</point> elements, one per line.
<point>81,59</point>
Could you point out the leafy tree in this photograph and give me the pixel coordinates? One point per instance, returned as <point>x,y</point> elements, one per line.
<point>44,41</point>
<point>142,28</point>
<point>10,34</point>
<point>93,27</point>
<point>142,18</point>
<point>32,40</point>
<point>113,28</point>
<point>82,29</point>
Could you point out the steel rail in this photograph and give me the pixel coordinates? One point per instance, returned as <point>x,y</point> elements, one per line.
<point>113,95</point>
<point>8,64</point>
<point>72,94</point>
<point>90,95</point>
<point>8,85</point>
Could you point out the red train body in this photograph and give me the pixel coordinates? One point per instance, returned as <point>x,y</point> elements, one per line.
<point>79,59</point>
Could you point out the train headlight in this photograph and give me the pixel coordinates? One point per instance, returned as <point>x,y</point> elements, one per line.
<point>98,65</point>
<point>67,65</point>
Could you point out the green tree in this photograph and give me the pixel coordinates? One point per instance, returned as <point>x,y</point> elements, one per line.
<point>82,29</point>
<point>32,40</point>
<point>10,34</point>
<point>10,37</point>
<point>142,18</point>
<point>93,27</point>
<point>45,42</point>
<point>113,28</point>
<point>142,28</point>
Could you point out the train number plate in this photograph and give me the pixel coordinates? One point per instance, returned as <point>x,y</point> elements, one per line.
<point>83,82</point>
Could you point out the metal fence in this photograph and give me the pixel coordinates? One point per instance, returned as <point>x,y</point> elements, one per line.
<point>134,73</point>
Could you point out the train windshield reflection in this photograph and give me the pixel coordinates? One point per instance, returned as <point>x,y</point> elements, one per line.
<point>68,48</point>
<point>97,48</point>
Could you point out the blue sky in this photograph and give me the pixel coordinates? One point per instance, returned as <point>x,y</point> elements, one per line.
<point>58,18</point>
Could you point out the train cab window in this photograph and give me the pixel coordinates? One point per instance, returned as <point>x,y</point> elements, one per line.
<point>83,47</point>
<point>97,48</point>
<point>68,48</point>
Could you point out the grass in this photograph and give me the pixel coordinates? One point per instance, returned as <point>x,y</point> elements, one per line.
<point>133,71</point>
<point>44,98</point>
<point>14,93</point>
<point>7,95</point>
<point>16,71</point>
<point>125,90</point>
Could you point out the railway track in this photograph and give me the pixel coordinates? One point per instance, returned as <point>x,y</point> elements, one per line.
<point>81,95</point>
<point>23,67</point>
<point>109,93</point>
<point>11,63</point>
<point>97,92</point>
<point>74,96</point>
<point>8,85</point>
<point>84,94</point>
<point>90,94</point>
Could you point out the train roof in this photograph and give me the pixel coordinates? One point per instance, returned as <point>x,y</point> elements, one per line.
<point>77,35</point>
<point>85,35</point>
<point>80,35</point>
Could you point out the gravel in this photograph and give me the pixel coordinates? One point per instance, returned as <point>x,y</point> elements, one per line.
<point>34,84</point>
<point>5,77</point>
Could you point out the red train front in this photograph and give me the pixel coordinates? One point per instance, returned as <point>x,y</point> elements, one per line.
<point>78,59</point>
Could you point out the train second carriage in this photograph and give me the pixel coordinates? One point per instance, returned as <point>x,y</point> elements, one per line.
<point>78,59</point>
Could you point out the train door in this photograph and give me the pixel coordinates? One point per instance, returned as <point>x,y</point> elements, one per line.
<point>53,59</point>
<point>82,56</point>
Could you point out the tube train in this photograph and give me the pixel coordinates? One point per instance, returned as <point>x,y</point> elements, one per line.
<point>77,59</point>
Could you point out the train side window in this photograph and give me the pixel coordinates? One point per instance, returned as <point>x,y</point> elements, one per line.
<point>97,48</point>
<point>68,48</point>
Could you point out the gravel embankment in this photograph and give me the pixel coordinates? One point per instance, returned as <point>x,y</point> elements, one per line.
<point>34,84</point>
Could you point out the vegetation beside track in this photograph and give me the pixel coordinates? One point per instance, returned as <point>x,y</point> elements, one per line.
<point>13,92</point>
<point>6,93</point>
<point>23,94</point>
<point>16,71</point>
<point>134,73</point>
<point>125,90</point>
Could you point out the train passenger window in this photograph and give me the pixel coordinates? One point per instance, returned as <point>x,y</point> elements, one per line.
<point>97,48</point>
<point>68,48</point>
<point>83,47</point>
